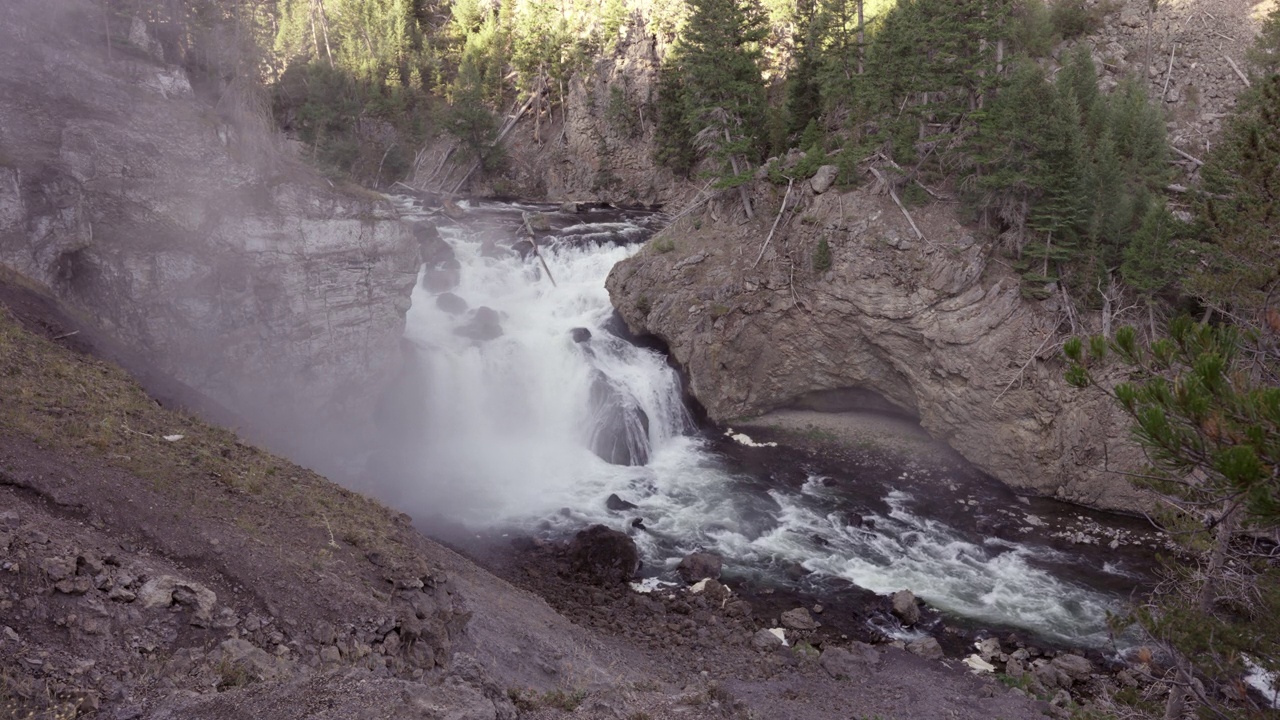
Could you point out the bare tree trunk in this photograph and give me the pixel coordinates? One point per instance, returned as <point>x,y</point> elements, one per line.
<point>1177,704</point>
<point>1218,556</point>
<point>324,28</point>
<point>861,38</point>
<point>742,189</point>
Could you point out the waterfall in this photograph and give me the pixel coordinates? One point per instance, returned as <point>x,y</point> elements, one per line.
<point>538,410</point>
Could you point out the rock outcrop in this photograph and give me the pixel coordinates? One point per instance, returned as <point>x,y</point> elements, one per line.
<point>936,328</point>
<point>187,230</point>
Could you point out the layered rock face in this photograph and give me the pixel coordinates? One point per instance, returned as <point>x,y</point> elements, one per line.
<point>937,328</point>
<point>183,228</point>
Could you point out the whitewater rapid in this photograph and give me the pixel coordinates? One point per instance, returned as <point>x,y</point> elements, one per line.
<point>510,428</point>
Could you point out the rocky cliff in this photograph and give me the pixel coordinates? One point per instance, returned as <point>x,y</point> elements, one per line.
<point>598,144</point>
<point>176,221</point>
<point>935,328</point>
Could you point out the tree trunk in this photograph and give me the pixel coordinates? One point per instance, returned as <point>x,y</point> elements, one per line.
<point>1218,556</point>
<point>742,189</point>
<point>324,29</point>
<point>861,38</point>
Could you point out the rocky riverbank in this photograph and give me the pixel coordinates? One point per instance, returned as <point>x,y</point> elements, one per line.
<point>152,566</point>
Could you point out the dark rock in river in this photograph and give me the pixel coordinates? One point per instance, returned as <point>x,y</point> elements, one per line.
<point>607,556</point>
<point>616,503</point>
<point>699,566</point>
<point>451,303</point>
<point>484,325</point>
<point>620,429</point>
<point>580,334</point>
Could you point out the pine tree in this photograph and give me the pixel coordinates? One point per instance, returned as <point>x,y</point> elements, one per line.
<point>804,92</point>
<point>673,139</point>
<point>720,53</point>
<point>1211,431</point>
<point>1238,212</point>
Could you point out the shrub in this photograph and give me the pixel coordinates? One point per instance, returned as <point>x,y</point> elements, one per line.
<point>822,257</point>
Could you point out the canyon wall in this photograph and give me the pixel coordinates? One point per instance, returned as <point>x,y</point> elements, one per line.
<point>185,229</point>
<point>936,327</point>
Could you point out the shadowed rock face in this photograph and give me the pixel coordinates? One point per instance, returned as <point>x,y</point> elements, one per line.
<point>930,329</point>
<point>195,239</point>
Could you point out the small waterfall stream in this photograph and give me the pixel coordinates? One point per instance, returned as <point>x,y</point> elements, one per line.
<point>538,411</point>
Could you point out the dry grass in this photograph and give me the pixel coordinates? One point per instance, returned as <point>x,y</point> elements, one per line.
<point>74,403</point>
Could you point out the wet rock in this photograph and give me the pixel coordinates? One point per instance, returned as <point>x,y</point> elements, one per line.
<point>490,248</point>
<point>927,648</point>
<point>580,334</point>
<point>905,608</point>
<point>452,210</point>
<point>537,222</point>
<point>824,178</point>
<point>796,571</point>
<point>605,555</point>
<point>620,429</point>
<point>451,303</point>
<point>799,619</point>
<point>766,640</point>
<point>699,566</point>
<point>616,503</point>
<point>441,280</point>
<point>570,207</point>
<point>1073,666</point>
<point>989,648</point>
<point>638,523</point>
<point>484,325</point>
<point>840,662</point>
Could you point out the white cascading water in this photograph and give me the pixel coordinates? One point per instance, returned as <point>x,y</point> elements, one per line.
<point>511,422</point>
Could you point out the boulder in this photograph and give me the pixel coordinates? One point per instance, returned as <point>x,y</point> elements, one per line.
<point>1051,676</point>
<point>799,619</point>
<point>904,606</point>
<point>699,566</point>
<point>766,640</point>
<point>1073,666</point>
<point>605,555</point>
<point>483,326</point>
<point>620,428</point>
<point>451,303</point>
<point>840,662</point>
<point>927,648</point>
<point>616,503</point>
<point>824,178</point>
<point>988,648</point>
<point>580,334</point>
<point>165,590</point>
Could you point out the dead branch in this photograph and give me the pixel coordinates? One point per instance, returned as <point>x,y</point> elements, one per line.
<point>1025,365</point>
<point>533,239</point>
<point>1168,74</point>
<point>781,210</point>
<point>894,194</point>
<point>1188,156</point>
<point>1235,67</point>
